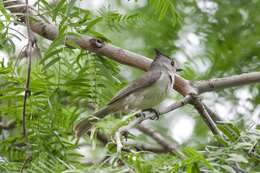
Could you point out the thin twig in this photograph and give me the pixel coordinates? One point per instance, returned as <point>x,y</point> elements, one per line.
<point>28,159</point>
<point>160,139</point>
<point>216,118</point>
<point>176,105</point>
<point>27,83</point>
<point>157,137</point>
<point>126,128</point>
<point>145,147</point>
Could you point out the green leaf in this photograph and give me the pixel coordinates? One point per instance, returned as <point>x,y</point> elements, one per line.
<point>227,132</point>
<point>111,147</point>
<point>237,158</point>
<point>93,22</point>
<point>4,12</point>
<point>163,7</point>
<point>51,62</point>
<point>58,9</point>
<point>221,140</point>
<point>228,169</point>
<point>230,126</point>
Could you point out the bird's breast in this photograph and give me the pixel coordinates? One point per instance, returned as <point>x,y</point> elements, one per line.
<point>150,96</point>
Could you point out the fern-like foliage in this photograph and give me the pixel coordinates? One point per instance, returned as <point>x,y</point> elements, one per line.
<point>63,85</point>
<point>117,21</point>
<point>6,42</point>
<point>60,94</point>
<point>164,8</point>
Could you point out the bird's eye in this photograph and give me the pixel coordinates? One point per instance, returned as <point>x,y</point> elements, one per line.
<point>173,63</point>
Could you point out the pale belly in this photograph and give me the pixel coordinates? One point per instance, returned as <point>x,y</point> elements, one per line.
<point>148,97</point>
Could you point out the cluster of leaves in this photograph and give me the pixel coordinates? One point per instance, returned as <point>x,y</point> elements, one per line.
<point>64,85</point>
<point>6,42</point>
<point>60,93</point>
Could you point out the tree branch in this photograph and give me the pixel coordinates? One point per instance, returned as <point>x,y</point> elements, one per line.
<point>215,117</point>
<point>227,82</point>
<point>157,137</point>
<point>205,115</point>
<point>160,139</point>
<point>146,147</point>
<point>187,99</point>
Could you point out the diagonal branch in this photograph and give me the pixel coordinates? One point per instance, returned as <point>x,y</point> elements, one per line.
<point>160,139</point>
<point>157,137</point>
<point>216,118</point>
<point>145,147</point>
<point>205,115</point>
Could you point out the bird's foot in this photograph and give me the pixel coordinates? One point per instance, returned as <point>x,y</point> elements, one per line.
<point>125,135</point>
<point>141,114</point>
<point>155,112</point>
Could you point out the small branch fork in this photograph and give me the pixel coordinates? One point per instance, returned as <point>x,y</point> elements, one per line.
<point>190,90</point>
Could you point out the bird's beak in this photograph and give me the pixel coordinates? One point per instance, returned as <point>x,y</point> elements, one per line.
<point>179,69</point>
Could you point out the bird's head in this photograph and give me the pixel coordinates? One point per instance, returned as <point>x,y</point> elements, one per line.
<point>164,62</point>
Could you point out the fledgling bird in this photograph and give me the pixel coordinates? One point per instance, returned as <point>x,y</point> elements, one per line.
<point>144,93</point>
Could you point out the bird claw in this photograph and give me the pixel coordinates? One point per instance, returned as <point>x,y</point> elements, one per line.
<point>141,114</point>
<point>155,112</point>
<point>156,116</point>
<point>125,135</point>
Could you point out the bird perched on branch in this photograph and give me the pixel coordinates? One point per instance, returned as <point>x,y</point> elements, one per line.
<point>144,93</point>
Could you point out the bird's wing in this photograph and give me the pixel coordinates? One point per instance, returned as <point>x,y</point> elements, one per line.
<point>145,80</point>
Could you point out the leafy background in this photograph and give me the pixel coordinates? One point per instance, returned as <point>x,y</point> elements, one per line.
<point>208,38</point>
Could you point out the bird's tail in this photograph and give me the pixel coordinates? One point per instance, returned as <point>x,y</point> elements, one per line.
<point>84,125</point>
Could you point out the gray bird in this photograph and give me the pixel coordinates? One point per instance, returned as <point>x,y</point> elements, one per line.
<point>144,93</point>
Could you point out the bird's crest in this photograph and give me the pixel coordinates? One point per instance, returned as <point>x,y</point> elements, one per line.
<point>159,53</point>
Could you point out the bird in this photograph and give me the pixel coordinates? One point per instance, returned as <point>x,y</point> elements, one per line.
<point>143,94</point>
